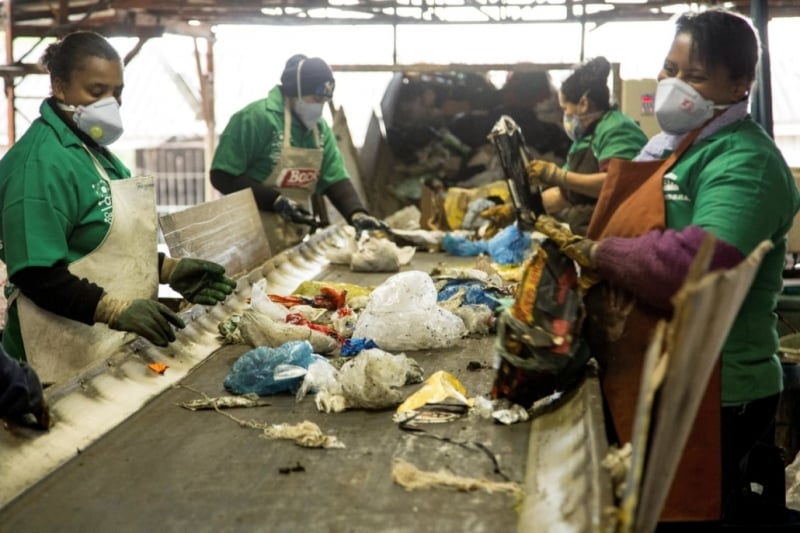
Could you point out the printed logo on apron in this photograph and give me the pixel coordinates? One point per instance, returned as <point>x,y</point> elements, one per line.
<point>295,175</point>
<point>297,178</point>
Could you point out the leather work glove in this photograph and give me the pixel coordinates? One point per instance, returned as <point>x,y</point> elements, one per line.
<point>546,173</point>
<point>499,217</point>
<point>22,399</point>
<point>576,247</point>
<point>150,319</point>
<point>363,222</point>
<point>199,281</point>
<point>291,211</point>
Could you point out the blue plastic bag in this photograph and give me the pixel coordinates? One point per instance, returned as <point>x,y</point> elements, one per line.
<point>355,346</point>
<point>462,246</point>
<point>255,371</point>
<point>510,246</point>
<point>474,293</point>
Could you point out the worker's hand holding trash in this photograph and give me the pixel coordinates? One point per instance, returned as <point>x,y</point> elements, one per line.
<point>199,281</point>
<point>148,318</point>
<point>499,217</point>
<point>579,249</point>
<point>292,211</point>
<point>546,173</point>
<point>363,222</point>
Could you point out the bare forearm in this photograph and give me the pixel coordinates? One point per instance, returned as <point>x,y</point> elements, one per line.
<point>588,184</point>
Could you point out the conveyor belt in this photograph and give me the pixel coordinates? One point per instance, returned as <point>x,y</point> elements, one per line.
<point>153,466</point>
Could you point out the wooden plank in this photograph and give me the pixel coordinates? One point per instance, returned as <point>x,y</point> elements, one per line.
<point>227,231</point>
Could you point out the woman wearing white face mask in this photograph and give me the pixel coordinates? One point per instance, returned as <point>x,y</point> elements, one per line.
<point>713,170</point>
<point>79,233</point>
<point>282,149</point>
<point>599,132</point>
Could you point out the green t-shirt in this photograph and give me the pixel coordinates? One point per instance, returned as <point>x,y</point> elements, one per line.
<point>736,185</point>
<point>251,143</point>
<point>615,135</point>
<point>55,206</point>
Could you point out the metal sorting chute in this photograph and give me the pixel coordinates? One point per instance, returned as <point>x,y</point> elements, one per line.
<point>509,142</point>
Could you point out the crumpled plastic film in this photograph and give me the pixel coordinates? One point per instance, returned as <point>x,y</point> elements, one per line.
<point>402,314</point>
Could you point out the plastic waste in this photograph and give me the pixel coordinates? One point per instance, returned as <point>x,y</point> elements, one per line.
<point>371,380</point>
<point>474,293</point>
<point>353,346</point>
<point>402,314</point>
<point>441,398</point>
<point>255,371</point>
<point>510,245</point>
<point>260,330</point>
<point>462,246</point>
<point>321,375</point>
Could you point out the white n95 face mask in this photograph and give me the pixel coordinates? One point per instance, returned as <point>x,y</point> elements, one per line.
<point>573,126</point>
<point>680,108</point>
<point>100,120</point>
<point>309,112</point>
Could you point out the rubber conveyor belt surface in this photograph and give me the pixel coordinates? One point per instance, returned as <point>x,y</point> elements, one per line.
<point>166,468</point>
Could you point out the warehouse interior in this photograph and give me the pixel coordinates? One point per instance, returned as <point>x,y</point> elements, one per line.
<point>138,466</point>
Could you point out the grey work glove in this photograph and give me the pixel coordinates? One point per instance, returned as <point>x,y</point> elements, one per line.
<point>290,210</point>
<point>363,222</point>
<point>197,280</point>
<point>147,318</point>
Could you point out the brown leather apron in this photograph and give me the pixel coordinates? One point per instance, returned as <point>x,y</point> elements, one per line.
<point>579,213</point>
<point>631,204</point>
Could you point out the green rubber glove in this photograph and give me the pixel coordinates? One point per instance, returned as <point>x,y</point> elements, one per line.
<point>199,281</point>
<point>147,318</point>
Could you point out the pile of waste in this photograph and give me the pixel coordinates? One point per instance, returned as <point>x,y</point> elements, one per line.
<point>437,126</point>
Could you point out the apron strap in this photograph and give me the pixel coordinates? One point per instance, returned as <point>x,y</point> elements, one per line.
<point>678,152</point>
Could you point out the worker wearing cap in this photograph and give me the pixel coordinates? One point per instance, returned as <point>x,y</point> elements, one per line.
<point>282,149</point>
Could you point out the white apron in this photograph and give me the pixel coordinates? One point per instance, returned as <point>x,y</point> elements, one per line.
<point>295,175</point>
<point>125,264</point>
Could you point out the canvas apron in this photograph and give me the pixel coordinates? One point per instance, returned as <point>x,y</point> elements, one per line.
<point>125,264</point>
<point>631,204</point>
<point>295,175</point>
<point>579,212</point>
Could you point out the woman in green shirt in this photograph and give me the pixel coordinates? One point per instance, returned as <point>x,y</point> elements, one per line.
<point>282,149</point>
<point>599,133</point>
<point>79,233</point>
<point>718,173</point>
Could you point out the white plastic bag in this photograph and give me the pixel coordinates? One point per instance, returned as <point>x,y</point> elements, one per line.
<point>261,302</point>
<point>402,314</point>
<point>371,380</point>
